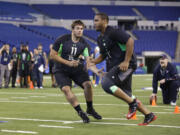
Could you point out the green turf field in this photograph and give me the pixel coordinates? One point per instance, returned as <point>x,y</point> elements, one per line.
<point>46,112</point>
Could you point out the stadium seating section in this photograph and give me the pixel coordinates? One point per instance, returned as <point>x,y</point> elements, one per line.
<point>15,10</point>
<point>147,40</point>
<point>156,41</point>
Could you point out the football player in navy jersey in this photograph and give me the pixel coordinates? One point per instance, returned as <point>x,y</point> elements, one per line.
<point>66,52</point>
<point>117,47</point>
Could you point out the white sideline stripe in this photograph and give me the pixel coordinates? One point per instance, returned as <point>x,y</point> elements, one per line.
<point>164,112</point>
<point>126,124</point>
<point>4,99</point>
<point>58,95</point>
<point>37,96</point>
<point>19,97</point>
<point>40,120</point>
<point>18,131</point>
<point>51,126</point>
<point>65,103</point>
<point>30,93</point>
<point>114,119</point>
<point>169,109</point>
<point>98,123</point>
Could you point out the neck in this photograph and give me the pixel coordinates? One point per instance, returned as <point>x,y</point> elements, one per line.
<point>74,38</point>
<point>103,29</point>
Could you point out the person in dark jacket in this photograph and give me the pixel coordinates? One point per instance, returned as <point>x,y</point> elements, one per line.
<point>166,74</point>
<point>38,69</point>
<point>14,59</point>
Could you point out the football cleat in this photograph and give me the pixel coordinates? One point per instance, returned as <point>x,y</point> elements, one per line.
<point>132,109</point>
<point>92,112</point>
<point>148,119</point>
<point>84,117</point>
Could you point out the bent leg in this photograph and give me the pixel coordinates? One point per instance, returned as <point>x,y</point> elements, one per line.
<point>71,98</point>
<point>88,92</point>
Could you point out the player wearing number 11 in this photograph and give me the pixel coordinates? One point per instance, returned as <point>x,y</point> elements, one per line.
<point>66,52</point>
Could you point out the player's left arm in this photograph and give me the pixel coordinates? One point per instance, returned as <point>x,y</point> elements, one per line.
<point>125,40</point>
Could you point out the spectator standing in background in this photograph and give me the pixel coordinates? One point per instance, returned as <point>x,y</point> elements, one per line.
<point>14,59</point>
<point>4,68</point>
<point>51,65</point>
<point>24,58</point>
<point>38,68</point>
<point>99,66</point>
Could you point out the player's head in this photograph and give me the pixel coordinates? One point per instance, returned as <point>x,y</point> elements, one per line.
<point>36,51</point>
<point>100,21</point>
<point>163,61</point>
<point>14,49</point>
<point>27,47</point>
<point>40,47</point>
<point>50,46</point>
<point>77,28</point>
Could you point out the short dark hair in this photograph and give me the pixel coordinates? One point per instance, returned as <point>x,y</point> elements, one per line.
<point>77,22</point>
<point>163,56</point>
<point>103,16</point>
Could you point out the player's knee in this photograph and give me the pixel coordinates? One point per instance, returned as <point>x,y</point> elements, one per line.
<point>87,85</point>
<point>106,87</point>
<point>66,90</point>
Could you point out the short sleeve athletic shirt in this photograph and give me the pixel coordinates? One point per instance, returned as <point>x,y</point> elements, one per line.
<point>113,47</point>
<point>69,50</point>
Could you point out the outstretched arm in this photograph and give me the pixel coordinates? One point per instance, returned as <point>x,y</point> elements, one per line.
<point>93,68</point>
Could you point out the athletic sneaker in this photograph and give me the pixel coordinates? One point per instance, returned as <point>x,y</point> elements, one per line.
<point>132,109</point>
<point>84,116</point>
<point>148,119</point>
<point>173,103</point>
<point>92,112</point>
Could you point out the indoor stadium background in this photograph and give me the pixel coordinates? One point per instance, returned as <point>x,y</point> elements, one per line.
<point>154,25</point>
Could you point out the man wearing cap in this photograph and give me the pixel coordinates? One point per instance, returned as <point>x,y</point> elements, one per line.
<point>166,74</point>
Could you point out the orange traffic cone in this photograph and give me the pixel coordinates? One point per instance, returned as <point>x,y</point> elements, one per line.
<point>31,85</point>
<point>134,117</point>
<point>176,110</point>
<point>153,102</point>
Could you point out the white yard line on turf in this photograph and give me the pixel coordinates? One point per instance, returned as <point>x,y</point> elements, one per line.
<point>126,124</point>
<point>19,97</point>
<point>38,96</point>
<point>169,109</point>
<point>97,123</point>
<point>18,131</point>
<point>66,103</point>
<point>51,126</point>
<point>114,119</point>
<point>4,99</point>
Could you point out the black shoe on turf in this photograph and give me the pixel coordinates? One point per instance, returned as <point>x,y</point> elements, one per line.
<point>148,119</point>
<point>84,117</point>
<point>92,112</point>
<point>132,109</point>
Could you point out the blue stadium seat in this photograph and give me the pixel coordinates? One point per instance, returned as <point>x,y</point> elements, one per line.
<point>156,41</point>
<point>15,10</point>
<point>160,13</point>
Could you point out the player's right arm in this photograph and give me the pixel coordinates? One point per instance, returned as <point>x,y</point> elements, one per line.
<point>98,60</point>
<point>54,55</point>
